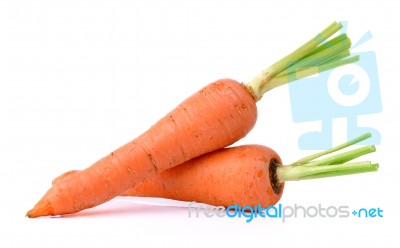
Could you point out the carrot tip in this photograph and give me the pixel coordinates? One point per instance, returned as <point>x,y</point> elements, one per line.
<point>32,213</point>
<point>42,208</point>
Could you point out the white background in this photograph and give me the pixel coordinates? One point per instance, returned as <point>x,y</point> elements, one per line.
<point>80,78</point>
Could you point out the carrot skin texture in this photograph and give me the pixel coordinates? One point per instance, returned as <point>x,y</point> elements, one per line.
<point>214,117</point>
<point>64,176</point>
<point>238,175</point>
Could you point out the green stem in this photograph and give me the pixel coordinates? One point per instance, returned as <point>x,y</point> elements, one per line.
<point>279,81</point>
<point>338,56</point>
<point>288,173</point>
<point>328,51</point>
<point>333,149</point>
<point>334,165</point>
<point>330,43</point>
<point>343,157</point>
<point>305,49</point>
<point>316,55</point>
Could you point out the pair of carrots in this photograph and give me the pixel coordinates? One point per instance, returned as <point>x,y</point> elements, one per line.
<point>194,135</point>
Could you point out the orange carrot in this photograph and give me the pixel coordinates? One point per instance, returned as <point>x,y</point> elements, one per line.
<point>245,175</point>
<point>64,176</point>
<point>223,177</point>
<point>216,116</point>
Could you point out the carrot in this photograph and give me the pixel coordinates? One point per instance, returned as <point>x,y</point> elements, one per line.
<point>219,178</point>
<point>216,116</point>
<point>245,175</point>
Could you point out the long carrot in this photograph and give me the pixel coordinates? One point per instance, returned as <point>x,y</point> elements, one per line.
<point>218,115</point>
<point>245,175</point>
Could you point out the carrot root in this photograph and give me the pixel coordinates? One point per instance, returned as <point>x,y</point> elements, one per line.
<point>215,117</point>
<point>237,175</point>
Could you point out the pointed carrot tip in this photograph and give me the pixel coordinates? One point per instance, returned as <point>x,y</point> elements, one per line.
<point>30,214</point>
<point>34,213</point>
<point>42,208</point>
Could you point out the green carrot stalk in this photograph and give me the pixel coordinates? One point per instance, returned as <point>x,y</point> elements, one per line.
<point>319,54</point>
<point>311,167</point>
